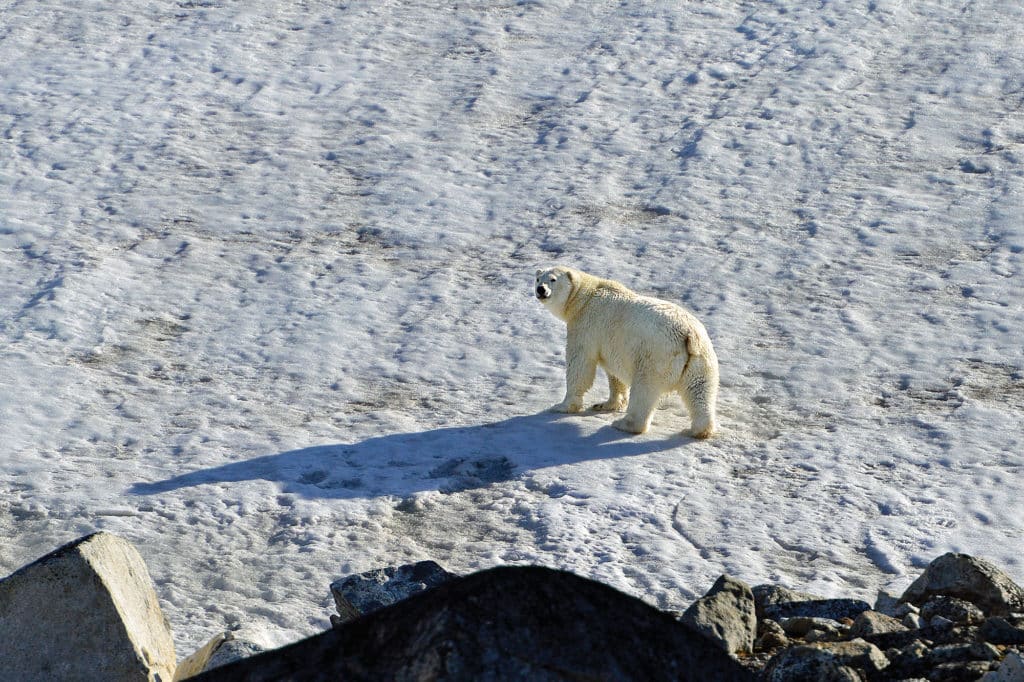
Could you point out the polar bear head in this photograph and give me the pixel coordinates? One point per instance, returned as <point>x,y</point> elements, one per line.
<point>554,286</point>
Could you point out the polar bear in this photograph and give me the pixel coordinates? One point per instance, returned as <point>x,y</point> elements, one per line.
<point>645,345</point>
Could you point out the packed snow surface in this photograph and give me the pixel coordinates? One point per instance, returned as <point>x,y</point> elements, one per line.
<point>267,301</point>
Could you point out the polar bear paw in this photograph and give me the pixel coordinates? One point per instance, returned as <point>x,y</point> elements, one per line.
<point>611,405</point>
<point>704,431</point>
<point>567,407</point>
<point>628,425</point>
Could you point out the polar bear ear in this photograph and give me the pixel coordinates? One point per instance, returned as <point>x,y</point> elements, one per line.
<point>538,272</point>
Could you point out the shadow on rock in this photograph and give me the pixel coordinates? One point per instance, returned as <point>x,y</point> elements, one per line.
<point>509,623</point>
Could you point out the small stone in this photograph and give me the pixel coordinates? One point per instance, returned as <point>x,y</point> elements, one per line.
<point>768,626</point>
<point>874,623</point>
<point>953,609</point>
<point>800,626</point>
<point>905,609</point>
<point>770,638</point>
<point>983,651</point>
<point>908,662</point>
<point>915,649</point>
<point>822,635</point>
<point>912,621</point>
<point>231,650</point>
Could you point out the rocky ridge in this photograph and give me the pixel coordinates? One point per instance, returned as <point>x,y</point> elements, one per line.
<point>962,619</point>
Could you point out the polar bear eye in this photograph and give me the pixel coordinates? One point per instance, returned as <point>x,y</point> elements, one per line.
<point>553,278</point>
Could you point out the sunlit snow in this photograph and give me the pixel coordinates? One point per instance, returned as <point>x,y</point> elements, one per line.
<point>267,290</point>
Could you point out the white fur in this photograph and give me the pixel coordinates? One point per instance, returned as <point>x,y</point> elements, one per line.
<point>646,346</point>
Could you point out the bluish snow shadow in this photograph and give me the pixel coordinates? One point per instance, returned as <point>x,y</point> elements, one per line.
<point>448,459</point>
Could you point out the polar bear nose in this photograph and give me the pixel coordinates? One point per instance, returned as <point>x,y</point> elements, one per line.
<point>542,291</point>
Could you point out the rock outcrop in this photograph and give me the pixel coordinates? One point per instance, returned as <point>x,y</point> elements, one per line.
<point>511,623</point>
<point>86,611</point>
<point>954,623</point>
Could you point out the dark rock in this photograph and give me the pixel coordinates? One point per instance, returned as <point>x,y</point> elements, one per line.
<point>835,609</point>
<point>367,592</point>
<point>1001,631</point>
<point>974,651</point>
<point>918,660</point>
<point>908,662</point>
<point>958,672</point>
<point>772,595</point>
<point>725,615</point>
<point>968,578</point>
<point>801,626</point>
<point>952,609</point>
<point>929,634</point>
<point>511,623</point>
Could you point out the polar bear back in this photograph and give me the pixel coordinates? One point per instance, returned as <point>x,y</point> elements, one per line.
<point>631,334</point>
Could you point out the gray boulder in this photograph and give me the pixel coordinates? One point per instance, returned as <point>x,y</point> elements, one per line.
<point>367,592</point>
<point>968,578</point>
<point>86,611</point>
<point>510,623</point>
<point>725,615</point>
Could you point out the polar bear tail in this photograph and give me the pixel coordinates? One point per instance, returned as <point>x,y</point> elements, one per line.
<point>698,387</point>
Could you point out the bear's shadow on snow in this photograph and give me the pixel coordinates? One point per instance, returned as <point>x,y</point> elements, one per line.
<point>447,460</point>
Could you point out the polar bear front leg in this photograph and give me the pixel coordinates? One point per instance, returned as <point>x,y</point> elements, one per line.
<point>579,377</point>
<point>616,396</point>
<point>643,398</point>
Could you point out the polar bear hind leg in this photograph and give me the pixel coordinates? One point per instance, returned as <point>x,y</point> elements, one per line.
<point>643,398</point>
<point>699,390</point>
<point>616,396</point>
